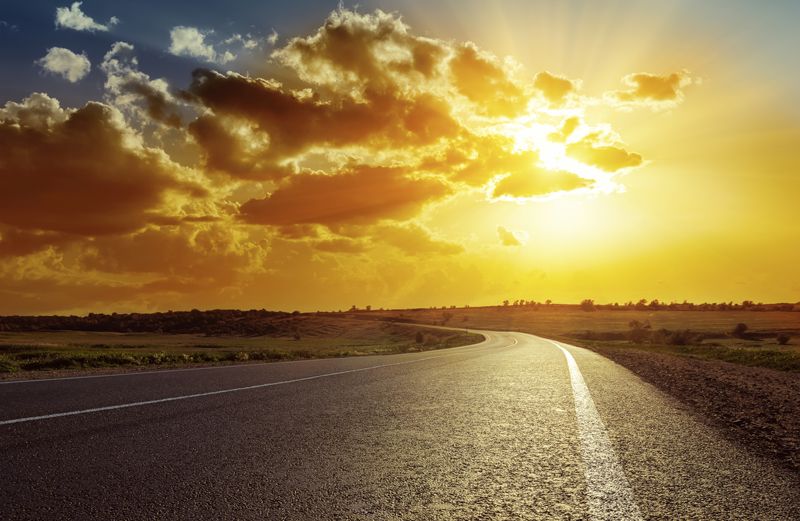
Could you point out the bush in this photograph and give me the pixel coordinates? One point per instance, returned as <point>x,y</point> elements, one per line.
<point>783,339</point>
<point>587,305</point>
<point>739,330</point>
<point>7,366</point>
<point>639,331</point>
<point>419,337</point>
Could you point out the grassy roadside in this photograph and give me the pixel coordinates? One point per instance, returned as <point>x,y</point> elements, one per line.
<point>30,354</point>
<point>770,356</point>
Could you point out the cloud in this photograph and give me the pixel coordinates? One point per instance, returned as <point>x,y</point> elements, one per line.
<point>191,41</point>
<point>568,127</point>
<point>652,89</point>
<point>511,238</point>
<point>73,18</point>
<point>80,171</point>
<point>9,26</point>
<point>537,181</point>
<point>16,243</point>
<point>354,51</point>
<point>477,160</point>
<point>127,87</point>
<point>358,195</point>
<point>554,88</point>
<point>414,239</point>
<point>205,251</point>
<point>295,122</point>
<point>341,245</point>
<point>248,184</point>
<point>65,63</point>
<point>484,81</point>
<point>607,157</point>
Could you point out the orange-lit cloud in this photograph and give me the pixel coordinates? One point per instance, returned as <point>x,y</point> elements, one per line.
<point>216,190</point>
<point>554,88</point>
<point>359,195</point>
<point>653,89</point>
<point>538,181</point>
<point>484,81</point>
<point>80,171</point>
<point>608,157</point>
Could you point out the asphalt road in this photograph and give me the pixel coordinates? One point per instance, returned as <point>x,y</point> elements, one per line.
<point>517,427</point>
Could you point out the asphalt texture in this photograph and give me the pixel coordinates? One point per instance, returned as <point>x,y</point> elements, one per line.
<point>505,429</point>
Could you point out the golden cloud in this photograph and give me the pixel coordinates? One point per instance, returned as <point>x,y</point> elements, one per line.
<point>415,240</point>
<point>608,157</point>
<point>653,89</point>
<point>480,78</point>
<point>358,195</point>
<point>537,181</point>
<point>80,171</point>
<point>246,182</point>
<point>295,122</point>
<point>554,88</point>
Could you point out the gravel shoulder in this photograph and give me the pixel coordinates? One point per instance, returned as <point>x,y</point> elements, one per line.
<point>754,406</point>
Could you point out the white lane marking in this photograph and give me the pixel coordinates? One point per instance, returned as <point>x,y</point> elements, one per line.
<point>231,366</point>
<point>608,492</point>
<point>223,391</point>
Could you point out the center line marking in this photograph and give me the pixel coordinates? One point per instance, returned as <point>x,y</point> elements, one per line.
<point>608,492</point>
<point>225,391</point>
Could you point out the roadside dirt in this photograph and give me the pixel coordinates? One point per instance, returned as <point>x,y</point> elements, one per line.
<point>751,405</point>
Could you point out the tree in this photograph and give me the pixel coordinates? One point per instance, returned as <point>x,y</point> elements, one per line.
<point>419,338</point>
<point>587,305</point>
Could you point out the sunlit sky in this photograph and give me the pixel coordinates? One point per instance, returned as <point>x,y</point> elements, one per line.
<point>311,155</point>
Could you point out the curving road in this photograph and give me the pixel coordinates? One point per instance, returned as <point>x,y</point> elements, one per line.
<point>517,427</point>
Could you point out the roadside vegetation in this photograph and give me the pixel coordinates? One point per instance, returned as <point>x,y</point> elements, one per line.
<point>295,337</point>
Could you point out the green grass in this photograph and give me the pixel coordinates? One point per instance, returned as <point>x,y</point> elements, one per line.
<point>772,356</point>
<point>74,350</point>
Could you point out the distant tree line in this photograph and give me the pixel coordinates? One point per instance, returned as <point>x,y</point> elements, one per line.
<point>657,305</point>
<point>218,322</point>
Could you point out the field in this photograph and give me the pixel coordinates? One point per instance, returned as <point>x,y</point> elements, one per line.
<point>706,334</point>
<point>307,336</point>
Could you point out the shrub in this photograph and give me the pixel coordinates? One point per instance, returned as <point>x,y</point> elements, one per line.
<point>7,366</point>
<point>739,330</point>
<point>587,305</point>
<point>419,337</point>
<point>783,339</point>
<point>639,331</point>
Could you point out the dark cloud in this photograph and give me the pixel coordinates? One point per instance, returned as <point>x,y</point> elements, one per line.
<point>358,195</point>
<point>295,122</point>
<point>79,171</point>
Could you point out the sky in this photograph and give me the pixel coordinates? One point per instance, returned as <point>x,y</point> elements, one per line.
<point>317,155</point>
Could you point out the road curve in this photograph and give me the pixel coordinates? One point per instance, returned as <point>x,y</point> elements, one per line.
<point>516,427</point>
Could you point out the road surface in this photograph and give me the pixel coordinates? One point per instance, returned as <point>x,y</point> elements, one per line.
<point>517,427</point>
